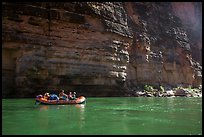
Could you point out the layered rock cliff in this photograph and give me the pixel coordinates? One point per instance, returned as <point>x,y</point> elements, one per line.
<point>97,49</point>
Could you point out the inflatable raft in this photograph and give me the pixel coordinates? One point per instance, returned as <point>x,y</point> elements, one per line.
<point>41,100</point>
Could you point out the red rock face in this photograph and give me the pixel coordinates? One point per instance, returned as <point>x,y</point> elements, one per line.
<point>163,43</point>
<point>97,49</point>
<point>191,16</point>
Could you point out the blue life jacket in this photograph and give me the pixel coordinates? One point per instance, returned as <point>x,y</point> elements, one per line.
<point>64,97</point>
<point>54,97</point>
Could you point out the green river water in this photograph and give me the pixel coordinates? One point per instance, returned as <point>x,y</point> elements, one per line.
<point>104,116</point>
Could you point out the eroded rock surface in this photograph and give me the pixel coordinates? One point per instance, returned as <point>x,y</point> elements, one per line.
<point>96,49</point>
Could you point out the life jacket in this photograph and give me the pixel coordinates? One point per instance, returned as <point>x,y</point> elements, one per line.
<point>54,97</point>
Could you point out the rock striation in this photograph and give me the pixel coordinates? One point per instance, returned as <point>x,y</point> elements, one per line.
<point>96,48</point>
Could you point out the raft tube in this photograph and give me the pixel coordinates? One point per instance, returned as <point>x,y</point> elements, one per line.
<point>41,100</point>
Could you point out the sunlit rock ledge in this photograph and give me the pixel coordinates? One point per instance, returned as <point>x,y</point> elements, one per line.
<point>149,91</point>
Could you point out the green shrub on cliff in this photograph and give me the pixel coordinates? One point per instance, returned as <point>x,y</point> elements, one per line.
<point>148,88</point>
<point>161,88</point>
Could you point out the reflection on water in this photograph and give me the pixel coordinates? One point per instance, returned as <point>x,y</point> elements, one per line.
<point>61,115</point>
<point>104,116</point>
<point>81,108</point>
<point>47,107</point>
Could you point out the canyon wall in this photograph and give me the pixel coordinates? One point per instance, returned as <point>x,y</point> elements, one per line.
<point>167,45</point>
<point>96,49</point>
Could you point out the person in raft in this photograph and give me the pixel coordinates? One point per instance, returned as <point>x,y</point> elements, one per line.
<point>63,96</point>
<point>47,96</point>
<point>72,96</point>
<point>54,97</point>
